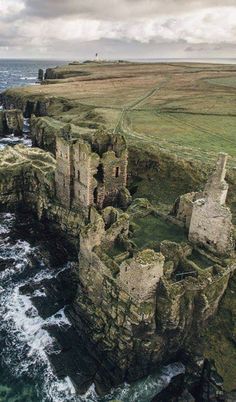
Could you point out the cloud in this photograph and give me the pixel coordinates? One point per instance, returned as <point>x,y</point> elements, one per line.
<point>193,27</point>
<point>116,9</point>
<point>196,25</point>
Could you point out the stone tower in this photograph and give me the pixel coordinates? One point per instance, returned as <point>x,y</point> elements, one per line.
<point>211,220</point>
<point>91,171</point>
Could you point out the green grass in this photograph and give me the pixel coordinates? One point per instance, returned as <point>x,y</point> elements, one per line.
<point>186,135</point>
<point>151,230</point>
<point>228,81</point>
<point>174,109</point>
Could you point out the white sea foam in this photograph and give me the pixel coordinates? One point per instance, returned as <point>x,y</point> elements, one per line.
<point>59,319</point>
<point>29,343</point>
<point>39,293</point>
<point>140,391</point>
<point>28,78</point>
<point>13,140</point>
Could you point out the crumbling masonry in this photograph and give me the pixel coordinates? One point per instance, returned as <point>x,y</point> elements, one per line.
<point>205,214</point>
<point>91,173</point>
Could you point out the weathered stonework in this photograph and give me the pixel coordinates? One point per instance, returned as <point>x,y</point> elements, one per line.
<point>90,174</point>
<point>211,221</point>
<point>141,274</point>
<point>205,215</point>
<point>183,208</point>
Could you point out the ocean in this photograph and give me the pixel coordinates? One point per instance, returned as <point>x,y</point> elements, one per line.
<point>28,268</point>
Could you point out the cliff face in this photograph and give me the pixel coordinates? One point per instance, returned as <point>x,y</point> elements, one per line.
<point>26,176</point>
<point>11,122</point>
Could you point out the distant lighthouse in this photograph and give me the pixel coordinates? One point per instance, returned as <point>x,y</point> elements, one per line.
<point>96,57</point>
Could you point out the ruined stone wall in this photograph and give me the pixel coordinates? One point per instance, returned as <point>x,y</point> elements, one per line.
<point>116,322</point>
<point>211,226</point>
<point>115,175</point>
<point>140,275</point>
<point>211,221</point>
<point>64,171</point>
<point>94,179</point>
<point>183,208</point>
<point>133,313</point>
<point>84,167</point>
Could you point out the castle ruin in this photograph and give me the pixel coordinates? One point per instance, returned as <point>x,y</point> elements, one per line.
<point>91,171</point>
<point>208,219</point>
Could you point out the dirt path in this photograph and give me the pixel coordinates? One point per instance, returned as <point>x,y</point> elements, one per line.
<point>120,124</point>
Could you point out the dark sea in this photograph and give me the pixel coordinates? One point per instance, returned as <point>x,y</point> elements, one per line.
<point>27,270</point>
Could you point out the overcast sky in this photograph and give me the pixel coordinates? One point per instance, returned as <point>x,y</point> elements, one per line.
<point>77,29</point>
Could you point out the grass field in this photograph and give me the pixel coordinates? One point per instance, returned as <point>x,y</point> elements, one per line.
<point>176,118</point>
<point>187,108</point>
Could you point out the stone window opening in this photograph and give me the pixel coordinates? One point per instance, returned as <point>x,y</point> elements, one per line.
<point>99,176</point>
<point>117,172</point>
<point>95,195</point>
<point>78,175</point>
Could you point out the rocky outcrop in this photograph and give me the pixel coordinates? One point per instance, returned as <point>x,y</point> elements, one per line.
<point>2,122</point>
<point>40,74</point>
<point>27,105</point>
<point>26,176</point>
<point>44,132</point>
<point>11,122</point>
<point>199,383</point>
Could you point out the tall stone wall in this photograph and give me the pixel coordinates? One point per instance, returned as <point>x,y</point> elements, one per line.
<point>85,178</point>
<point>84,167</point>
<point>211,221</point>
<point>115,175</point>
<point>63,174</point>
<point>140,275</point>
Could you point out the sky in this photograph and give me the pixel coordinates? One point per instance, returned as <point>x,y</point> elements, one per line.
<point>77,29</point>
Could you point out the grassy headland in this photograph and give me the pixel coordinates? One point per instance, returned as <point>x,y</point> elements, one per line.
<point>184,111</point>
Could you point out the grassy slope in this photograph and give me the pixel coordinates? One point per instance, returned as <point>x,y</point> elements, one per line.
<point>191,113</point>
<point>182,110</point>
